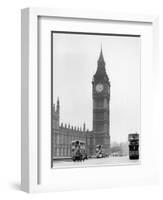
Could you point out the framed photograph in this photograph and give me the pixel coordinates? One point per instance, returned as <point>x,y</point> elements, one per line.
<point>102,99</point>
<point>88,100</point>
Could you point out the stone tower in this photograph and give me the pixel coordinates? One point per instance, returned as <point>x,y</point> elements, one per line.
<point>101,102</point>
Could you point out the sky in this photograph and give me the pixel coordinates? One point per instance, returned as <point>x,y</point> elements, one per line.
<point>74,64</point>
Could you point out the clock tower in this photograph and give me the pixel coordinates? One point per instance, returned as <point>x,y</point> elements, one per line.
<point>101,102</point>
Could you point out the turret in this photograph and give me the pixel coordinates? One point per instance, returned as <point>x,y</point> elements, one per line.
<point>58,105</point>
<point>84,127</point>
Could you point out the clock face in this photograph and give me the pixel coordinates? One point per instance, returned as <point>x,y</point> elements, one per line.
<point>99,87</point>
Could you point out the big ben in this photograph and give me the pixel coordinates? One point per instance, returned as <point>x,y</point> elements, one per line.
<point>101,105</point>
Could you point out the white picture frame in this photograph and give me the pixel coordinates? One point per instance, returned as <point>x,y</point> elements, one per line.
<point>36,175</point>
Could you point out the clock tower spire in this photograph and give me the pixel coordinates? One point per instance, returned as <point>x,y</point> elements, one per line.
<point>101,105</point>
<point>101,74</point>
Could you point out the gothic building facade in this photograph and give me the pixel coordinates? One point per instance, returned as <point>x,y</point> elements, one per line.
<point>63,135</point>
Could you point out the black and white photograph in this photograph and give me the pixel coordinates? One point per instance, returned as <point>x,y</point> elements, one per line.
<point>96,106</point>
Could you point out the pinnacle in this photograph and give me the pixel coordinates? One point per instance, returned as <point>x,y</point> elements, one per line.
<point>101,57</point>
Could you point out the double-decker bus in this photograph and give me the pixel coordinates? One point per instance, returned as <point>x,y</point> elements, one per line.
<point>78,150</point>
<point>99,151</point>
<point>133,140</point>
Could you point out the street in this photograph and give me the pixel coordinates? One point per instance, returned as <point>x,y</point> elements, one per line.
<point>95,161</point>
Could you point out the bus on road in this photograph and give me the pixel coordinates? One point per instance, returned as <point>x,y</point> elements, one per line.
<point>78,149</point>
<point>133,140</point>
<point>99,151</point>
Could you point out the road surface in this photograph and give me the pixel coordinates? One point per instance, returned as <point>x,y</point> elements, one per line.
<point>95,161</point>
